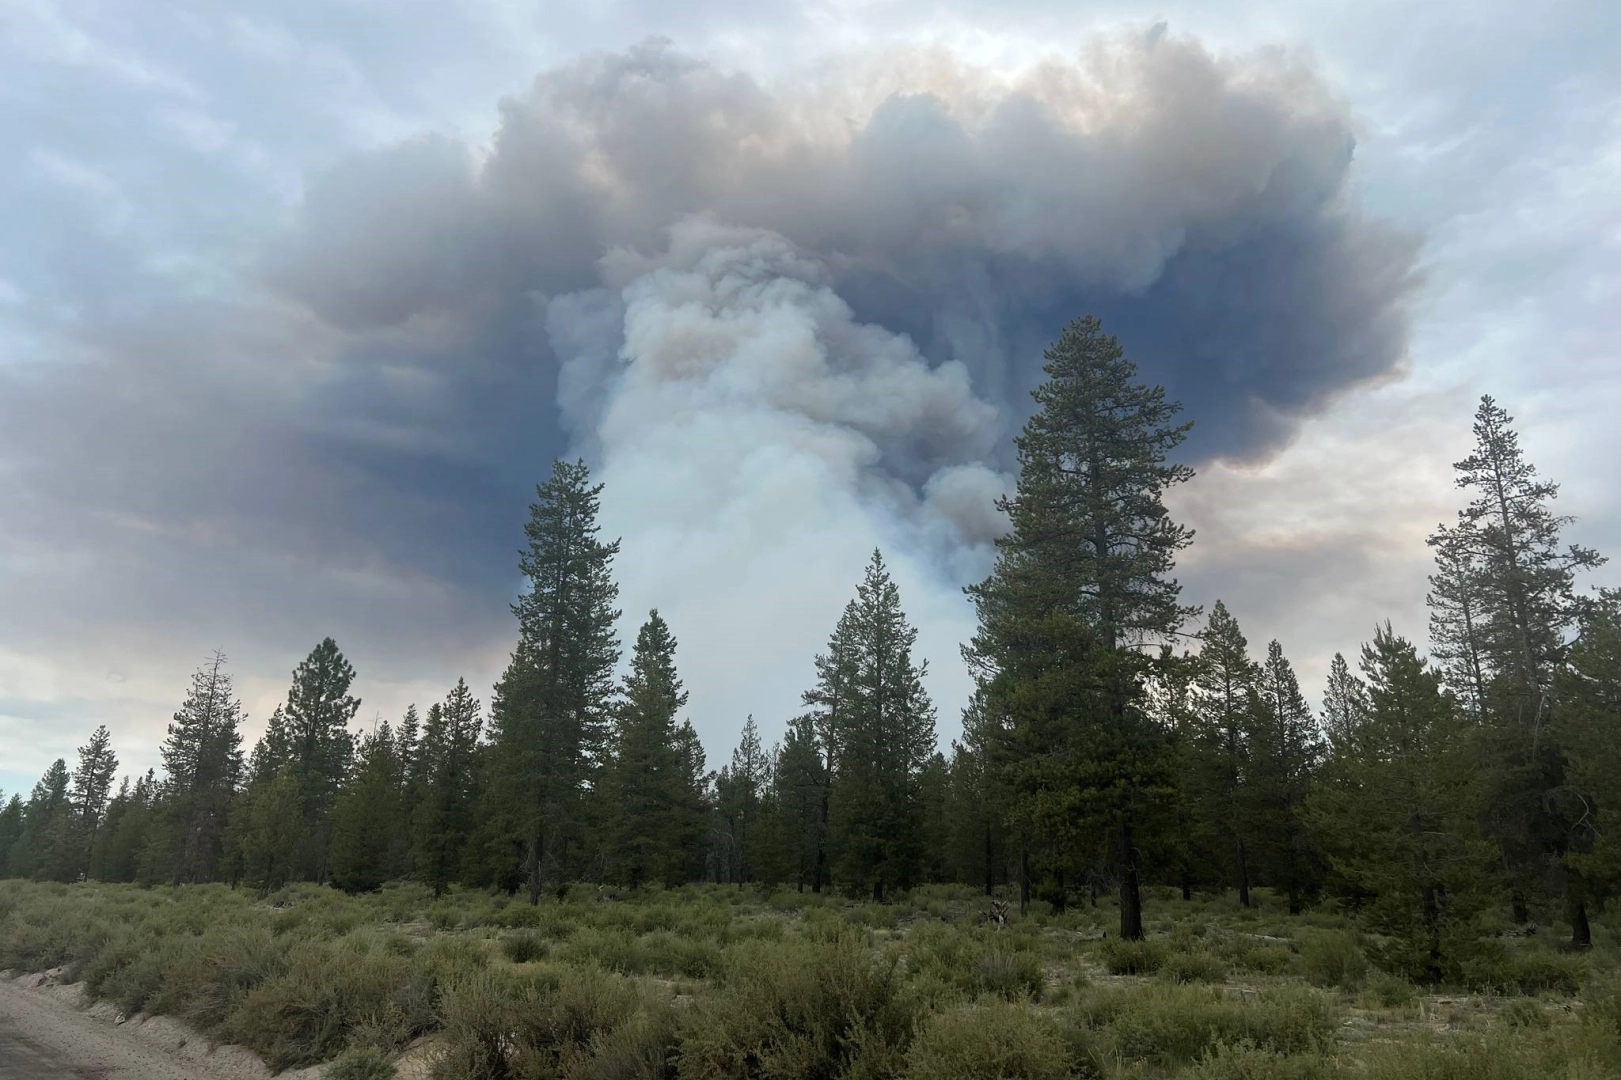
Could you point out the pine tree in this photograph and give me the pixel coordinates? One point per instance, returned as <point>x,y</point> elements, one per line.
<point>1225,682</point>
<point>552,705</point>
<point>886,737</point>
<point>1507,542</point>
<point>643,782</point>
<point>446,763</point>
<point>1286,753</point>
<point>366,815</point>
<point>1457,618</point>
<point>1396,818</point>
<point>202,756</point>
<point>11,827</point>
<point>1506,558</point>
<point>829,702</point>
<point>408,747</point>
<point>88,792</point>
<point>799,790</point>
<point>978,800</point>
<point>319,745</point>
<point>127,834</point>
<point>693,813</point>
<point>1082,582</point>
<point>1587,689</point>
<point>739,791</point>
<point>267,838</point>
<point>1345,706</point>
<point>44,821</point>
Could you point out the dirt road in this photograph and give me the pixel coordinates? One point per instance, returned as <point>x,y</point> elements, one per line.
<point>47,1033</point>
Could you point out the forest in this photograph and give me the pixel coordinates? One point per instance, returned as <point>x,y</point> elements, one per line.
<point>1137,791</point>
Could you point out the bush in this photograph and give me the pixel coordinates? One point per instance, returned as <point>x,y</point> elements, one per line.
<point>1193,967</point>
<point>988,1042</point>
<point>307,1014</point>
<point>1524,1013</point>
<point>1491,967</point>
<point>1392,991</point>
<point>361,1063</point>
<point>500,1024</point>
<point>1245,1062</point>
<point>1165,1024</point>
<point>813,1008</point>
<point>1331,958</point>
<point>524,947</point>
<point>1008,975</point>
<point>1133,957</point>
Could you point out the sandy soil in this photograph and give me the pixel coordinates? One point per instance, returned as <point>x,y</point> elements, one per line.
<point>50,1031</point>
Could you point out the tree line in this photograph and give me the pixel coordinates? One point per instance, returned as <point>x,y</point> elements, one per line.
<point>1106,746</point>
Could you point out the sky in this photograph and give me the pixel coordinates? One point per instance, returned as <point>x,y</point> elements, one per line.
<point>298,302</point>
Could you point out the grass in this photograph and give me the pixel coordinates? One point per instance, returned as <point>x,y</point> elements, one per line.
<point>717,983</point>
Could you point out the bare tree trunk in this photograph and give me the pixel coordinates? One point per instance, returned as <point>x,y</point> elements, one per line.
<point>1131,899</point>
<point>537,875</point>
<point>1024,882</point>
<point>1581,933</point>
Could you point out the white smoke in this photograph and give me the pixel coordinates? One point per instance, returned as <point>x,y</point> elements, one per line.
<point>757,442</point>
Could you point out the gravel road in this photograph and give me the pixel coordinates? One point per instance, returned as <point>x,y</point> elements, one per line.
<point>48,1033</point>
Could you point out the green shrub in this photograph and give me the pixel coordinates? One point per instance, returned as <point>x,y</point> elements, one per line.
<point>1008,975</point>
<point>1392,991</point>
<point>645,1047</point>
<point>807,1009</point>
<point>1492,967</point>
<point>1245,1062</point>
<point>1331,958</point>
<point>504,1023</point>
<point>1193,967</point>
<point>988,1042</point>
<point>306,1014</point>
<point>361,1063</point>
<point>1167,1024</point>
<point>524,947</point>
<point>1524,1013</point>
<point>1133,957</point>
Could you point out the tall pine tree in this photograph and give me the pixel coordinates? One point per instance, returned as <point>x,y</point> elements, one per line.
<point>1505,560</point>
<point>366,815</point>
<point>202,756</point>
<point>551,710</point>
<point>886,738</point>
<point>1082,583</point>
<point>643,782</point>
<point>446,785</point>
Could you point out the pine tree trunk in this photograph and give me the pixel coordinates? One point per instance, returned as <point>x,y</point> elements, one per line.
<point>1243,875</point>
<point>537,880</point>
<point>1187,884</point>
<point>1432,920</point>
<point>1024,882</point>
<point>1581,933</point>
<point>1131,899</point>
<point>990,863</point>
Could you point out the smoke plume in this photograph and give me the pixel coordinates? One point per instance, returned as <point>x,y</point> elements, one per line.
<point>785,323</point>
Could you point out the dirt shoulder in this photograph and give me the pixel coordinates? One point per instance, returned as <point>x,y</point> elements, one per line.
<point>49,1030</point>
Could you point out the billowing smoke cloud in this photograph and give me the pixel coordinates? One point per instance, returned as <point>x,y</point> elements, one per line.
<point>757,443</point>
<point>786,323</point>
<point>1195,202</point>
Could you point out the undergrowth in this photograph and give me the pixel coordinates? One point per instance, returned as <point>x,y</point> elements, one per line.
<point>720,983</point>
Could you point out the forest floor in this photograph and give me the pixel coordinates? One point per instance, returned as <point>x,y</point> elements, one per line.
<point>724,982</point>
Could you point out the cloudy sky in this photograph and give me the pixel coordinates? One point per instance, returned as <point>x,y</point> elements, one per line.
<point>299,300</point>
